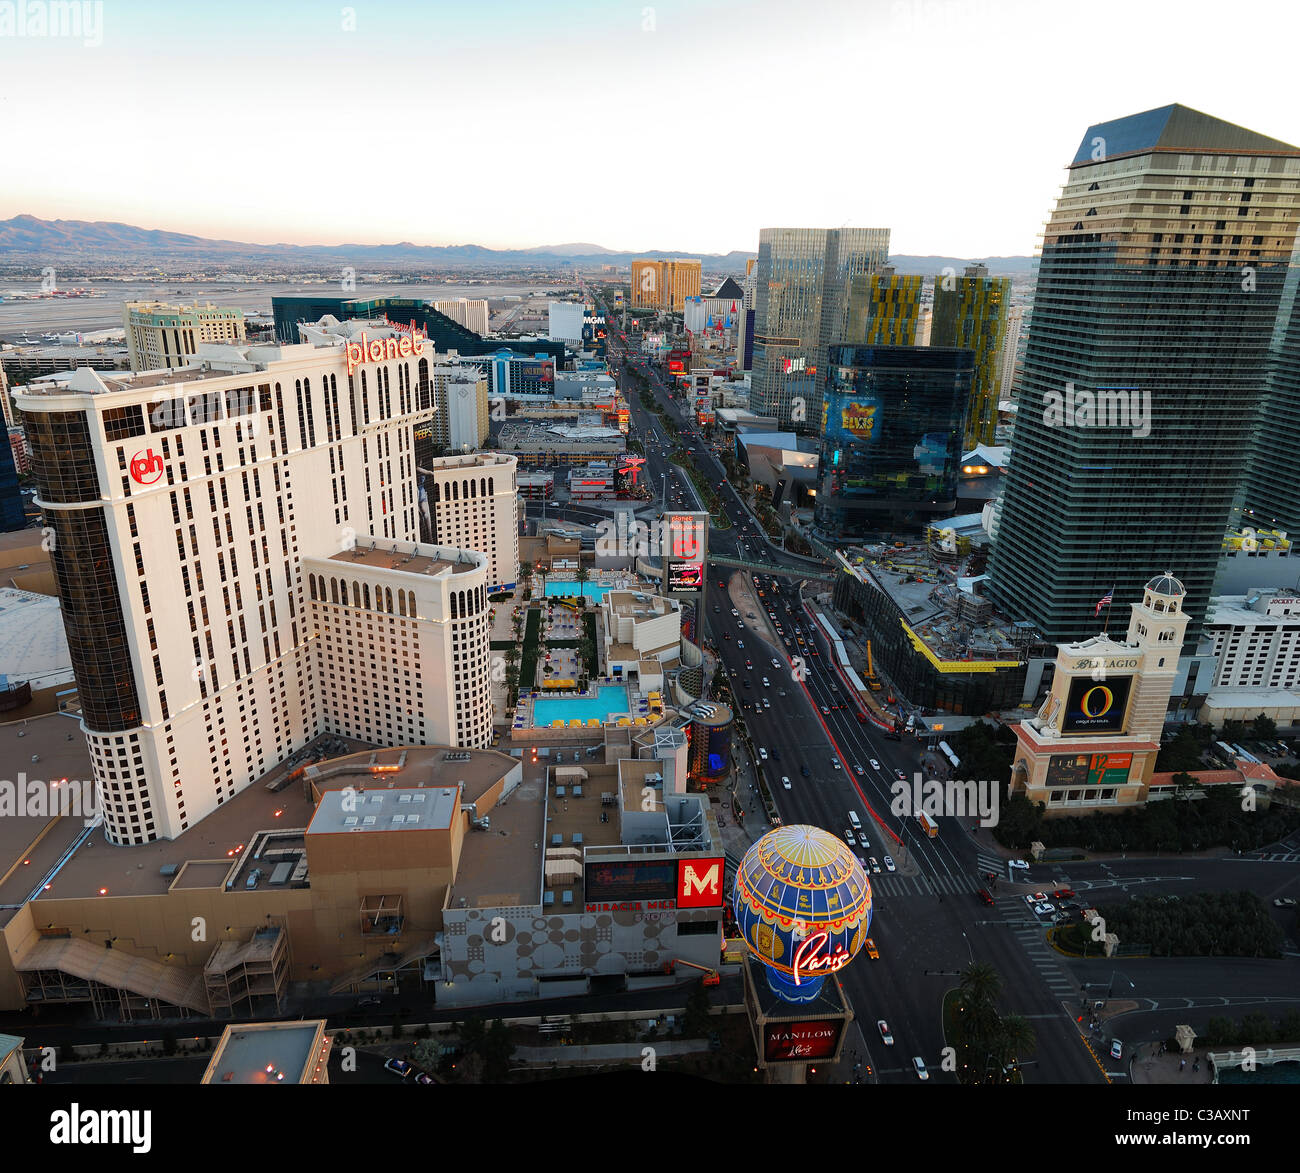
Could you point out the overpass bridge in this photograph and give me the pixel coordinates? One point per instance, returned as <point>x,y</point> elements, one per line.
<point>769,568</point>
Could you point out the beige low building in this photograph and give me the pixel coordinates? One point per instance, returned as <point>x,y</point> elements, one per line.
<point>1094,742</point>
<point>643,634</point>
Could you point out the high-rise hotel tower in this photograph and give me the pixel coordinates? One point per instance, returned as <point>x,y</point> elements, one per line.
<point>236,551</point>
<point>1157,294</point>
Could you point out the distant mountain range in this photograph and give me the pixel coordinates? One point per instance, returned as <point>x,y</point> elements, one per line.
<point>31,239</point>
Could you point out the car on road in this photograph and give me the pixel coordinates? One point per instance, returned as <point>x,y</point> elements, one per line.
<point>1063,894</point>
<point>918,1065</point>
<point>885,1036</point>
<point>1116,1049</point>
<point>762,753</point>
<point>889,865</point>
<point>399,1067</point>
<point>1017,863</point>
<point>875,867</point>
<point>1284,902</point>
<point>836,763</point>
<point>984,896</point>
<point>849,837</point>
<point>785,781</point>
<point>1043,909</point>
<point>716,610</point>
<point>861,772</point>
<point>1037,898</point>
<point>826,711</point>
<point>900,775</point>
<point>804,771</point>
<point>875,765</point>
<point>425,1078</point>
<point>775,662</point>
<point>870,946</point>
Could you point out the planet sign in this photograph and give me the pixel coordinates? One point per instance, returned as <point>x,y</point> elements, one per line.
<point>803,904</point>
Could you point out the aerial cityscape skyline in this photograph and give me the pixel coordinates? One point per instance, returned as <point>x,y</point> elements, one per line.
<point>822,649</point>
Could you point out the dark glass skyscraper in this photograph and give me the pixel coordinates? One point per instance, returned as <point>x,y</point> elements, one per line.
<point>1272,491</point>
<point>894,422</point>
<point>12,514</point>
<point>1157,292</point>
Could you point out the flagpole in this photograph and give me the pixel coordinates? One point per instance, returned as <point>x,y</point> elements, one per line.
<point>1106,625</point>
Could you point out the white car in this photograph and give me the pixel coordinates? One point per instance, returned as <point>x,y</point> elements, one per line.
<point>734,613</point>
<point>875,765</point>
<point>836,763</point>
<point>918,1065</point>
<point>740,643</point>
<point>776,663</point>
<point>785,781</point>
<point>1043,909</point>
<point>849,837</point>
<point>1116,1049</point>
<point>762,753</point>
<point>1017,863</point>
<point>883,1027</point>
<point>889,864</point>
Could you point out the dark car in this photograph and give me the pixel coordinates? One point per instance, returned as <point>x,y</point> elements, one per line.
<point>804,771</point>
<point>984,895</point>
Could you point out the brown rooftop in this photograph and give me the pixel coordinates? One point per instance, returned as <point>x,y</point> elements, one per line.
<point>410,563</point>
<point>502,867</point>
<point>420,766</point>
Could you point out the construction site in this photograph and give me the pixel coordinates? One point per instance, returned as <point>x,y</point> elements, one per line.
<point>933,633</point>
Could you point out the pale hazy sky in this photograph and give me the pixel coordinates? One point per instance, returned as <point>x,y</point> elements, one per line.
<point>453,122</point>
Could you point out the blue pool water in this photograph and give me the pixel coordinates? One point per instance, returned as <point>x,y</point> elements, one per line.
<point>593,590</point>
<point>611,698</point>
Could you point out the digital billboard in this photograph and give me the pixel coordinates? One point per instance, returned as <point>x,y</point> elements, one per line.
<point>685,577</point>
<point>799,1042</point>
<point>700,883</point>
<point>631,879</point>
<point>1071,771</point>
<point>1096,706</point>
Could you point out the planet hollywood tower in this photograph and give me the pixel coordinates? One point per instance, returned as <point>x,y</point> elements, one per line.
<point>1157,292</point>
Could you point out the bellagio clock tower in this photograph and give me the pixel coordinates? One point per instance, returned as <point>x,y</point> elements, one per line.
<point>1093,744</point>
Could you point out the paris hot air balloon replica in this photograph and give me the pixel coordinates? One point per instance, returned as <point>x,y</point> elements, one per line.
<point>803,904</point>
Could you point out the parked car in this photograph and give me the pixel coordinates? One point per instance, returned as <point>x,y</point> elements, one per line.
<point>425,1078</point>
<point>885,1036</point>
<point>399,1067</point>
<point>1043,909</point>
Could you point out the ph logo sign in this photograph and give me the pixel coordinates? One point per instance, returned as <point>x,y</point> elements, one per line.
<point>146,467</point>
<point>699,883</point>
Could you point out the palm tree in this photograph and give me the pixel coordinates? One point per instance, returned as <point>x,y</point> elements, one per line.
<point>1015,1040</point>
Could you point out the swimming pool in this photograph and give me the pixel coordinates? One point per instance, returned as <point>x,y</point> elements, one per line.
<point>593,590</point>
<point>610,698</point>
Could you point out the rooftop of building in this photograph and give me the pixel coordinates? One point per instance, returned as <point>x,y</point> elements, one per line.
<point>221,839</point>
<point>639,606</point>
<point>952,623</point>
<point>33,643</point>
<point>268,1052</point>
<point>401,809</point>
<point>502,866</point>
<point>471,460</point>
<point>381,554</point>
<point>1240,610</point>
<point>1175,128</point>
<point>31,844</point>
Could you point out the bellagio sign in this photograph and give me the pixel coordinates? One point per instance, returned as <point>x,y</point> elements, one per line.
<point>378,349</point>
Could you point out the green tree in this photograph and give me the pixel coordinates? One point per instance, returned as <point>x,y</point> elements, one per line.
<point>496,1049</point>
<point>471,1033</point>
<point>696,1021</point>
<point>1265,728</point>
<point>1182,753</point>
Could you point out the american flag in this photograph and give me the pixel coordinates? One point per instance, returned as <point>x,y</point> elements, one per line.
<point>1107,599</point>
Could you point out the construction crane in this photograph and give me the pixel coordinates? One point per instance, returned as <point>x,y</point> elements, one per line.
<point>872,682</point>
<point>711,976</point>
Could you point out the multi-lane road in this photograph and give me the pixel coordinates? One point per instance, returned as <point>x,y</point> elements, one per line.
<point>928,922</point>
